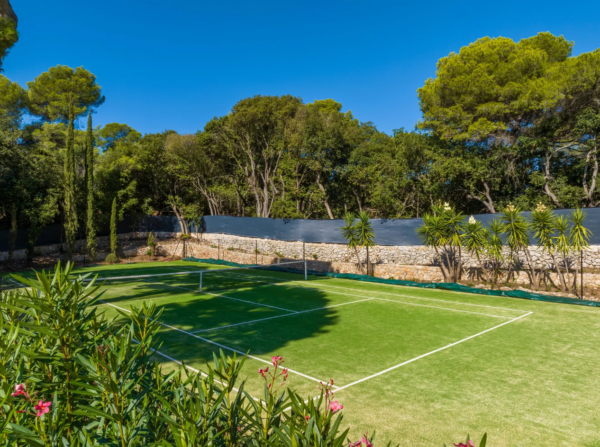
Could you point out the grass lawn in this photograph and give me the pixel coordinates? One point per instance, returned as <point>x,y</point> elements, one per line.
<point>420,366</point>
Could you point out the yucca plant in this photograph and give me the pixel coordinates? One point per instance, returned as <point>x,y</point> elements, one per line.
<point>443,231</point>
<point>544,224</point>
<point>579,240</point>
<point>350,233</point>
<point>486,245</point>
<point>366,236</point>
<point>516,229</point>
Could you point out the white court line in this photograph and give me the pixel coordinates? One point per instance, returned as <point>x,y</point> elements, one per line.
<point>429,353</point>
<point>281,316</point>
<point>285,284</point>
<point>219,345</point>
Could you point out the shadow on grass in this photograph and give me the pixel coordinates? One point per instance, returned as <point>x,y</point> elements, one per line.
<point>187,310</point>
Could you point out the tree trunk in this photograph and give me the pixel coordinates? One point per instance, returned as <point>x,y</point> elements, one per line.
<point>12,233</point>
<point>487,202</point>
<point>592,157</point>
<point>559,272</point>
<point>535,283</point>
<point>547,178</point>
<point>325,201</point>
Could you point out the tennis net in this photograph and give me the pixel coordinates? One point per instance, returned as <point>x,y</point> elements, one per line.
<point>216,279</point>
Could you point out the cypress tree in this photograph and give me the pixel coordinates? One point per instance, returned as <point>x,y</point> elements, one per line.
<point>71,223</point>
<point>89,171</point>
<point>113,227</point>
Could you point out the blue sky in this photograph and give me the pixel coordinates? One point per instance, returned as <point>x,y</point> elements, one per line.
<point>176,64</point>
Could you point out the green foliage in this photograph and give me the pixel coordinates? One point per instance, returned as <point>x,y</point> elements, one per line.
<point>111,258</point>
<point>151,243</point>
<point>113,134</point>
<point>63,93</point>
<point>8,36</point>
<point>113,228</point>
<point>481,90</point>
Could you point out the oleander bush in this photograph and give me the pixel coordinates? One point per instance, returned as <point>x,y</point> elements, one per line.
<point>70,377</point>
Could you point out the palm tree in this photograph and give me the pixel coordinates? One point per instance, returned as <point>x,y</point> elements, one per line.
<point>350,233</point>
<point>580,241</point>
<point>366,236</point>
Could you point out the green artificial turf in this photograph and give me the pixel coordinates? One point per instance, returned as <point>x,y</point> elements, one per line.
<point>420,366</point>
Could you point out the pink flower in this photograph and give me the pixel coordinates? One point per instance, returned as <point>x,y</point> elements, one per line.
<point>366,441</point>
<point>335,406</point>
<point>19,390</point>
<point>307,417</point>
<point>42,408</point>
<point>354,444</point>
<point>469,444</point>
<point>277,360</point>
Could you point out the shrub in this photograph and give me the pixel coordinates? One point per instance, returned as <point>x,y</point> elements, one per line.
<point>111,258</point>
<point>279,254</point>
<point>315,256</point>
<point>213,246</point>
<point>149,252</point>
<point>152,243</point>
<point>257,251</point>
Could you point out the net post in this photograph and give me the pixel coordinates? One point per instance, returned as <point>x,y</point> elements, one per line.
<point>200,288</point>
<point>304,259</point>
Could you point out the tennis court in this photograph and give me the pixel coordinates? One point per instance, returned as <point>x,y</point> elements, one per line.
<point>415,363</point>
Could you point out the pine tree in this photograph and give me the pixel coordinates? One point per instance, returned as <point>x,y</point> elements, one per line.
<point>71,223</point>
<point>89,171</point>
<point>113,228</point>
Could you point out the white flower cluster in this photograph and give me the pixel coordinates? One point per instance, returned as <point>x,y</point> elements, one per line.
<point>510,208</point>
<point>540,208</point>
<point>447,206</point>
<point>472,220</point>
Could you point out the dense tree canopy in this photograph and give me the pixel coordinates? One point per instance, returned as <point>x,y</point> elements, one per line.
<point>503,122</point>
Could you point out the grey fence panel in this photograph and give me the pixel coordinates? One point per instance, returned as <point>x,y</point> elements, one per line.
<point>387,231</point>
<point>54,234</point>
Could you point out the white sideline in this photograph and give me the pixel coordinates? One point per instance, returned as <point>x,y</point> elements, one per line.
<point>285,284</point>
<point>219,345</point>
<point>156,351</point>
<point>429,353</point>
<point>281,316</point>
